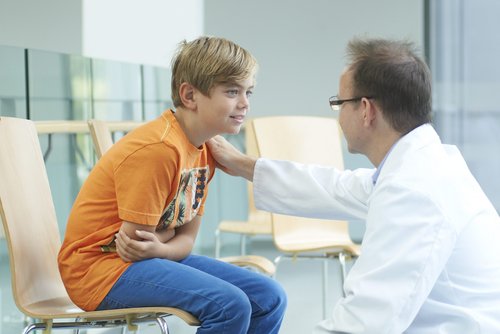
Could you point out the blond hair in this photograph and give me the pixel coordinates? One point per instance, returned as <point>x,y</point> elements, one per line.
<point>209,61</point>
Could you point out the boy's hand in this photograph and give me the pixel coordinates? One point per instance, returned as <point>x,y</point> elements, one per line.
<point>130,250</point>
<point>165,235</point>
<point>230,160</point>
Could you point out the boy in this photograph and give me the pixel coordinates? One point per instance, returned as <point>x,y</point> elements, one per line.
<point>133,225</point>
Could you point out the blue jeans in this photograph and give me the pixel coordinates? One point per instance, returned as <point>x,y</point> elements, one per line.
<point>225,298</point>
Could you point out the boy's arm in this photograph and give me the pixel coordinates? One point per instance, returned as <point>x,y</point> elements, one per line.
<point>135,242</point>
<point>165,235</point>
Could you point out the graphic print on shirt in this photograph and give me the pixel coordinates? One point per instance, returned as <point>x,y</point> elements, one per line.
<point>186,203</point>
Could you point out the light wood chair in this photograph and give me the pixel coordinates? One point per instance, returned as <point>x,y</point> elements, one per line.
<point>101,133</point>
<point>313,140</point>
<point>258,222</point>
<point>68,127</point>
<point>30,226</point>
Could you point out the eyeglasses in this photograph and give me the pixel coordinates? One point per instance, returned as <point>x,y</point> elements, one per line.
<point>335,103</point>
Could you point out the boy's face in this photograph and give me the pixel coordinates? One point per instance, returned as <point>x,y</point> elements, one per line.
<point>225,109</point>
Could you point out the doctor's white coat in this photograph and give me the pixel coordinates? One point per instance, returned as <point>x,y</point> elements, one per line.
<point>430,259</point>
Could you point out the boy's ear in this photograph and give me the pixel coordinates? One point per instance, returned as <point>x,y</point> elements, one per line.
<point>186,93</point>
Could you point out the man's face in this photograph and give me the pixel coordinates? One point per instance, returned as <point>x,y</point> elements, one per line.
<point>350,119</point>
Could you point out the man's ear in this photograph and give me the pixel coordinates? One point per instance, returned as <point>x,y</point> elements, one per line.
<point>369,111</point>
<point>186,93</point>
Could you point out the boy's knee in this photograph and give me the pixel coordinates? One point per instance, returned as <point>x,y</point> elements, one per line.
<point>280,297</point>
<point>241,303</point>
<point>274,298</point>
<point>235,306</point>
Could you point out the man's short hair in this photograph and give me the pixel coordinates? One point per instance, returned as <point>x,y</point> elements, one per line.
<point>399,80</point>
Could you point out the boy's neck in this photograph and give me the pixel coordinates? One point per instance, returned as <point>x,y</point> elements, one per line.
<point>189,126</point>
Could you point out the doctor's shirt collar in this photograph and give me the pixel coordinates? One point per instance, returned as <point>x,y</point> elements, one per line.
<point>379,168</point>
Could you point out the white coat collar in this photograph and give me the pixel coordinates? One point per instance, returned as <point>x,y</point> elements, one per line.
<point>419,137</point>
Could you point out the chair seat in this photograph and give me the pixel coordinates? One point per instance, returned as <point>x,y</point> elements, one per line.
<point>245,227</point>
<point>263,264</point>
<point>295,234</point>
<point>64,308</point>
<point>324,246</point>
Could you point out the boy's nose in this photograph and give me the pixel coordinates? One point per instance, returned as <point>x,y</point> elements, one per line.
<point>244,102</point>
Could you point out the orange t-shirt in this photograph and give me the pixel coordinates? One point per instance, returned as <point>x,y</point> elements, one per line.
<point>152,176</point>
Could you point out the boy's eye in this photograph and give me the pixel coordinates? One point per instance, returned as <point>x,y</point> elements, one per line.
<point>232,92</point>
<point>249,93</point>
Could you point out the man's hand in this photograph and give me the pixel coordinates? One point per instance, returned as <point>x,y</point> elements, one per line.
<point>230,160</point>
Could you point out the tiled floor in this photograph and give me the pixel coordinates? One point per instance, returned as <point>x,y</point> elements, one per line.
<point>301,279</point>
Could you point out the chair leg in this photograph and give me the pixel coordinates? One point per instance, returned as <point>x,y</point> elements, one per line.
<point>32,327</point>
<point>76,330</point>
<point>217,243</point>
<point>325,285</point>
<point>243,245</point>
<point>343,270</point>
<point>162,323</point>
<point>277,261</point>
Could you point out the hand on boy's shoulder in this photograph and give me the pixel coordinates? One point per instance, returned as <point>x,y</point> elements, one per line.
<point>216,150</point>
<point>229,159</point>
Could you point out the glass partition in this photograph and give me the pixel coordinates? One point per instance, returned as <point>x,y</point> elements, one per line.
<point>116,90</point>
<point>157,88</point>
<point>12,82</point>
<point>463,58</point>
<point>59,86</point>
<point>60,89</point>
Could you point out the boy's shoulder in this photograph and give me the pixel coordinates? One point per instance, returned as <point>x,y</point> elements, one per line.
<point>154,131</point>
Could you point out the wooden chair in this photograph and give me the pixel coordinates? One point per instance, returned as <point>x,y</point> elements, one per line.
<point>30,226</point>
<point>307,140</point>
<point>100,132</point>
<point>258,222</point>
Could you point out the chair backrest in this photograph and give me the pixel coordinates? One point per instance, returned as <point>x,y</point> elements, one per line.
<point>28,215</point>
<point>254,215</point>
<point>101,136</point>
<point>304,139</point>
<point>102,133</point>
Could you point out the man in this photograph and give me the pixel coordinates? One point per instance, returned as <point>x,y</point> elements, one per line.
<point>430,258</point>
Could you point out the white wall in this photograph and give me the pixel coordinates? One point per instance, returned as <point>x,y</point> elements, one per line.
<point>146,31</point>
<point>54,25</point>
<point>142,32</point>
<point>300,43</point>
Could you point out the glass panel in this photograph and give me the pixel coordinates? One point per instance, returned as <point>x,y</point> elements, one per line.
<point>464,64</point>
<point>60,90</point>
<point>157,91</point>
<point>117,90</point>
<point>12,82</point>
<point>59,86</point>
